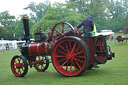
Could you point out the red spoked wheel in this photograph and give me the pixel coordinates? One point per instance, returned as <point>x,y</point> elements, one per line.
<point>101,50</point>
<point>60,30</point>
<point>71,56</point>
<point>42,63</point>
<point>19,66</point>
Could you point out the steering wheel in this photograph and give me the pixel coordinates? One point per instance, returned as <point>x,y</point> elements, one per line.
<point>78,32</point>
<point>60,30</point>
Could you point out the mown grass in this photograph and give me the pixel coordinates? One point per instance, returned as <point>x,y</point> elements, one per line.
<point>114,72</point>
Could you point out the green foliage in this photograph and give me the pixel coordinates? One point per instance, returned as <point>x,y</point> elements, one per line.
<point>7,25</point>
<point>59,13</point>
<point>106,14</point>
<point>101,23</point>
<point>118,18</point>
<point>19,31</point>
<point>117,23</point>
<point>38,10</point>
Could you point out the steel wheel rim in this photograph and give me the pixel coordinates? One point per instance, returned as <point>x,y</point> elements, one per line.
<point>74,56</point>
<point>17,66</point>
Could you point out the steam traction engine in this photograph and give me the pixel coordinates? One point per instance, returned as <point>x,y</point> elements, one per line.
<point>70,51</point>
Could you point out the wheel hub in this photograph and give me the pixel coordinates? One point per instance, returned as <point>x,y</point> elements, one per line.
<point>69,56</point>
<point>40,62</point>
<point>19,65</point>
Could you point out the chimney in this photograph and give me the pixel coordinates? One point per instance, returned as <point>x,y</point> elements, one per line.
<point>26,28</point>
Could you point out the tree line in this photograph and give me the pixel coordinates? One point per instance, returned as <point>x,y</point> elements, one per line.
<point>106,14</point>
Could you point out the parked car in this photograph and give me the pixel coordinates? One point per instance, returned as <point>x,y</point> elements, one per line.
<point>106,32</point>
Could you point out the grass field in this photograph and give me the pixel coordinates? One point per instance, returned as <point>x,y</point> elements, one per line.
<point>114,72</point>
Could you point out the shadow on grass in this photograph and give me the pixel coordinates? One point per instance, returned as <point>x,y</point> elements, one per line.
<point>55,74</point>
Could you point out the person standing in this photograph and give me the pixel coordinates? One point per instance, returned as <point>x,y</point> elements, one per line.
<point>7,46</point>
<point>88,26</point>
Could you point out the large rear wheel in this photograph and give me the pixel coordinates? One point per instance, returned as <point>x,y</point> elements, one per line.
<point>71,56</point>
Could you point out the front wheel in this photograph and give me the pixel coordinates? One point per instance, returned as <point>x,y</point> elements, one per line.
<point>19,65</point>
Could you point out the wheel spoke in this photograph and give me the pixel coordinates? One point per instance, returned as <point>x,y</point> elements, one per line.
<point>22,69</point>
<point>15,66</point>
<point>57,38</point>
<point>19,71</point>
<point>19,59</point>
<point>67,65</point>
<point>67,32</point>
<point>78,64</point>
<point>73,48</point>
<point>42,67</point>
<point>37,65</point>
<point>62,52</point>
<point>79,60</point>
<point>77,49</point>
<point>15,62</point>
<point>62,48</point>
<point>63,28</point>
<point>64,63</point>
<point>70,45</point>
<point>80,56</point>
<point>74,66</point>
<point>39,58</point>
<point>59,56</point>
<point>67,47</point>
<point>71,68</point>
<point>58,32</point>
<point>62,60</point>
<point>78,53</point>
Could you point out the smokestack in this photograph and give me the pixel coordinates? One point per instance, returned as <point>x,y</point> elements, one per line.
<point>26,28</point>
